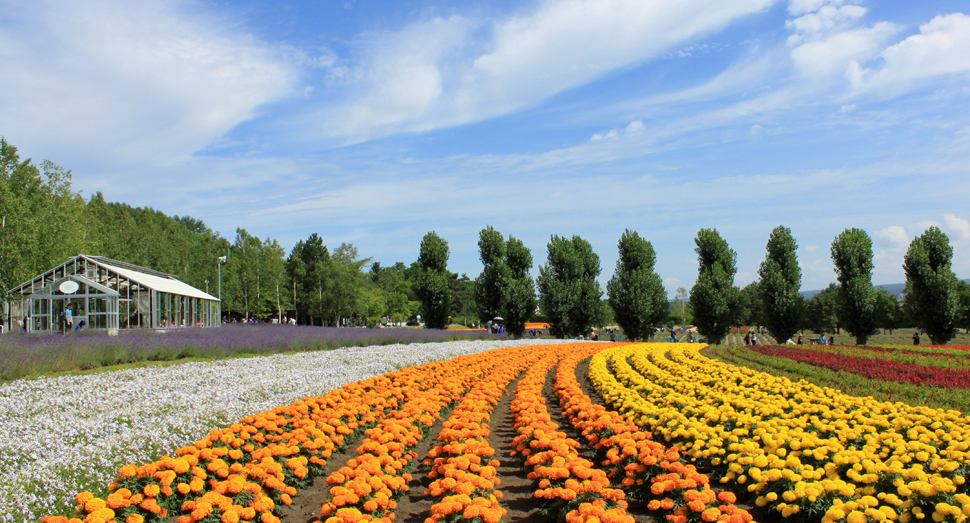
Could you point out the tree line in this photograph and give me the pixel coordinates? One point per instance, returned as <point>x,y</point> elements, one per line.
<point>43,222</point>
<point>935,301</point>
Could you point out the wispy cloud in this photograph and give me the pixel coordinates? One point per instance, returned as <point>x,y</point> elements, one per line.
<point>130,82</point>
<point>438,73</point>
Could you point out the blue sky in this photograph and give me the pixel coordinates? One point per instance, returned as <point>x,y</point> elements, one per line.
<point>374,122</point>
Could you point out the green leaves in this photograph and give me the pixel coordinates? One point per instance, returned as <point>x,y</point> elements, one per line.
<point>569,294</point>
<point>781,280</point>
<point>433,281</point>
<point>714,298</point>
<point>856,304</point>
<point>636,292</point>
<point>933,292</point>
<point>504,288</point>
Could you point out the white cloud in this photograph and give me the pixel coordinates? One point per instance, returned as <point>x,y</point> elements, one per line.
<point>800,7</point>
<point>957,226</point>
<point>831,57</point>
<point>826,20</point>
<point>811,248</point>
<point>941,48</point>
<point>131,81</point>
<point>435,74</point>
<point>894,237</point>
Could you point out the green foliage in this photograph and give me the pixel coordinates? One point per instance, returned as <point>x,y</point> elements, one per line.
<point>433,288</point>
<point>750,309</point>
<point>781,280</point>
<point>889,313</point>
<point>504,288</point>
<point>932,285</point>
<point>308,268</point>
<point>820,310</point>
<point>493,285</point>
<point>637,296</point>
<point>963,291</point>
<point>856,304</point>
<point>521,300</point>
<point>714,297</point>
<point>569,294</point>
<point>680,311</point>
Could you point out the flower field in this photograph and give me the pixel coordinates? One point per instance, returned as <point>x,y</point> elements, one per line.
<point>833,367</point>
<point>597,432</point>
<point>60,436</point>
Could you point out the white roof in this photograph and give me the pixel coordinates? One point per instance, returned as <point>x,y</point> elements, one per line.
<point>158,283</point>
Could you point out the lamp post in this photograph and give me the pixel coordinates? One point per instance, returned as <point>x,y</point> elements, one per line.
<point>222,259</point>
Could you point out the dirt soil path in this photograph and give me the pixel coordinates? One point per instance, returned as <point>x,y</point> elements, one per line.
<point>516,487</point>
<point>636,509</point>
<point>412,508</point>
<point>307,502</point>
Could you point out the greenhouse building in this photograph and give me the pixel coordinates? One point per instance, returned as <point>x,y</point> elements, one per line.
<point>109,295</point>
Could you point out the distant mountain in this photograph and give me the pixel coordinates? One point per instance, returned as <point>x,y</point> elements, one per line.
<point>894,288</point>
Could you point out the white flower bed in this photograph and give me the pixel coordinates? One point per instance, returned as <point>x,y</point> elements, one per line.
<point>60,436</point>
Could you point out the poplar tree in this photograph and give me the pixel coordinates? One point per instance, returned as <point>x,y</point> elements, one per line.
<point>569,294</point>
<point>492,285</point>
<point>932,285</point>
<point>521,299</point>
<point>636,292</point>
<point>714,296</point>
<point>781,280</point>
<point>433,288</point>
<point>856,302</point>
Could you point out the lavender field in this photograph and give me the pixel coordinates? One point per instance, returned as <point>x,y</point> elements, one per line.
<point>23,355</point>
<point>59,436</point>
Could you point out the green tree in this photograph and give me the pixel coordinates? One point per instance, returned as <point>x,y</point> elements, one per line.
<point>856,304</point>
<point>492,286</point>
<point>714,297</point>
<point>679,310</point>
<point>781,280</point>
<point>963,291</point>
<point>569,294</point>
<point>520,302</point>
<point>433,287</point>
<point>820,310</point>
<point>889,313</point>
<point>933,286</point>
<point>345,289</point>
<point>636,293</point>
<point>750,309</point>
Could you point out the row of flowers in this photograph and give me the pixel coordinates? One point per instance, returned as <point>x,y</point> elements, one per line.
<point>568,487</point>
<point>462,464</point>
<point>806,452</point>
<point>853,384</point>
<point>881,368</point>
<point>250,470</point>
<point>650,471</point>
<point>365,489</point>
<point>931,357</point>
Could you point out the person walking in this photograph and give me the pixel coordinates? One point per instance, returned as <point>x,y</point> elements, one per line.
<point>68,318</point>
<point>916,338</point>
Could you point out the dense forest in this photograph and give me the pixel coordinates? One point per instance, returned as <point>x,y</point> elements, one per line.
<point>43,222</point>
